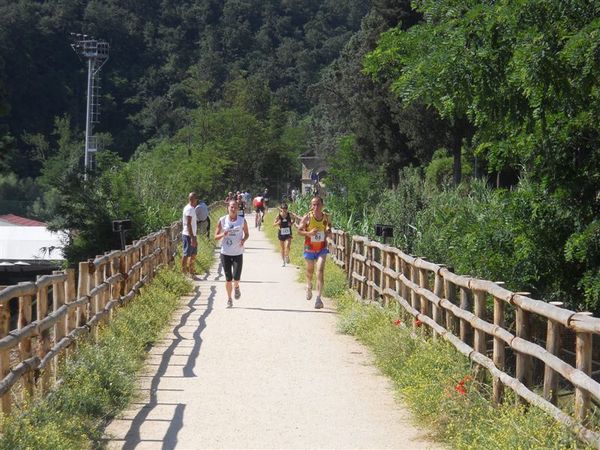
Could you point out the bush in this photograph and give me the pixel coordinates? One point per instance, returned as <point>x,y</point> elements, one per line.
<point>439,173</point>
<point>399,207</point>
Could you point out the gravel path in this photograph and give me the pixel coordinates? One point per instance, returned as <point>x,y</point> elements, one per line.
<point>270,373</point>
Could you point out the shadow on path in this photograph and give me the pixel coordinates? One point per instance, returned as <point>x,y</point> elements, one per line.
<point>313,311</point>
<point>133,436</point>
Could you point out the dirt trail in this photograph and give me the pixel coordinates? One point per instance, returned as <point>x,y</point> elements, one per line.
<point>269,373</point>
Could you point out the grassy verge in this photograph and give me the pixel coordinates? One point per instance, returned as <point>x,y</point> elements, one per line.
<point>435,381</point>
<point>99,381</point>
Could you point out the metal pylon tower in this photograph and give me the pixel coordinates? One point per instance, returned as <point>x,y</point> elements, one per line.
<point>95,52</point>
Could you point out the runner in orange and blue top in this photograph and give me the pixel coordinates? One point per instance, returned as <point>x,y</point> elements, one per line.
<point>315,227</point>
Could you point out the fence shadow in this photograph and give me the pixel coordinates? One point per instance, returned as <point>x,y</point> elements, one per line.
<point>133,437</point>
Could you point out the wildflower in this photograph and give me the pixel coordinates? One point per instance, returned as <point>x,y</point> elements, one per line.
<point>460,388</point>
<point>418,323</point>
<point>397,322</point>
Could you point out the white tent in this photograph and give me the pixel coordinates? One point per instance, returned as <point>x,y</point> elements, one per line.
<point>30,243</point>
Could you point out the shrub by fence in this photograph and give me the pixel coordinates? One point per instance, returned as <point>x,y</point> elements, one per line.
<point>485,322</point>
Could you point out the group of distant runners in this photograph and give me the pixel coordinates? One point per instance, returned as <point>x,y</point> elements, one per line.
<point>232,232</point>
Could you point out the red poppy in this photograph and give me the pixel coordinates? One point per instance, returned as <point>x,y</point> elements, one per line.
<point>460,388</point>
<point>418,323</point>
<point>397,322</point>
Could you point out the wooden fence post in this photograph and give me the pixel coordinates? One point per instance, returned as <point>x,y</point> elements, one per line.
<point>583,362</point>
<point>370,272</point>
<point>70,297</point>
<point>414,277</point>
<point>25,347</point>
<point>398,268</point>
<point>347,252</point>
<point>115,289</point>
<point>96,300</point>
<point>466,331</point>
<point>553,344</point>
<point>524,369</point>
<point>424,283</point>
<point>414,297</point>
<point>451,320</point>
<point>123,271</point>
<point>499,352</point>
<point>43,344</point>
<point>4,355</point>
<point>438,291</point>
<point>390,263</point>
<point>165,246</point>
<point>83,288</point>
<point>383,278</point>
<point>479,308</point>
<point>364,250</point>
<point>58,300</point>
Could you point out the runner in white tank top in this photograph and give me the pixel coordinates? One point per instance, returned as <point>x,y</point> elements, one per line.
<point>232,230</point>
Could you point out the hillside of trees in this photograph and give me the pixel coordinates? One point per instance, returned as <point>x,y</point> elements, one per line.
<point>470,126</point>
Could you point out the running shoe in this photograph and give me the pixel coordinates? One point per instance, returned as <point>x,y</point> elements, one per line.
<point>318,303</point>
<point>238,293</point>
<point>229,303</point>
<point>308,293</point>
<point>283,263</point>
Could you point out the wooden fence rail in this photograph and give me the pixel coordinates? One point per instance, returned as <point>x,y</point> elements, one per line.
<point>471,313</point>
<point>56,309</point>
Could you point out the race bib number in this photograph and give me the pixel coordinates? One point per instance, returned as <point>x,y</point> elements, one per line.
<point>233,231</point>
<point>285,231</point>
<point>318,237</point>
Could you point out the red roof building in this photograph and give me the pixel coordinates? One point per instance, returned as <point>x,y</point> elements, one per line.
<point>21,221</point>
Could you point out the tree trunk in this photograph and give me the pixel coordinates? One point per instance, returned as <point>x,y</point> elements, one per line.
<point>457,167</point>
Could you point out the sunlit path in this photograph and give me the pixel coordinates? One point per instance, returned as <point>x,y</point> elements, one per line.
<point>269,373</point>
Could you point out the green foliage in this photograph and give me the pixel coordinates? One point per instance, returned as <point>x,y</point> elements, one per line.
<point>352,190</point>
<point>519,85</point>
<point>584,248</point>
<point>348,102</point>
<point>399,207</point>
<point>99,380</point>
<point>529,238</point>
<point>17,195</point>
<point>440,171</point>
<point>166,60</point>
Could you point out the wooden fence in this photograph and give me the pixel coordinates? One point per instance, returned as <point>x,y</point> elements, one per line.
<point>56,309</point>
<point>485,322</point>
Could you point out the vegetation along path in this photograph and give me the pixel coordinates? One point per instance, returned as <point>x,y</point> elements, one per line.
<point>269,373</point>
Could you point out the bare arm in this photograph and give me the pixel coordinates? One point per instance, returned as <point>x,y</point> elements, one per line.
<point>302,228</point>
<point>246,232</point>
<point>189,227</point>
<point>219,232</point>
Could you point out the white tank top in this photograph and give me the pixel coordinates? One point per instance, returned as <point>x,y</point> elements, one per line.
<point>231,244</point>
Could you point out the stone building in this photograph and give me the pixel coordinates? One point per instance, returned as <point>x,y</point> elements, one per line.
<point>314,170</point>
